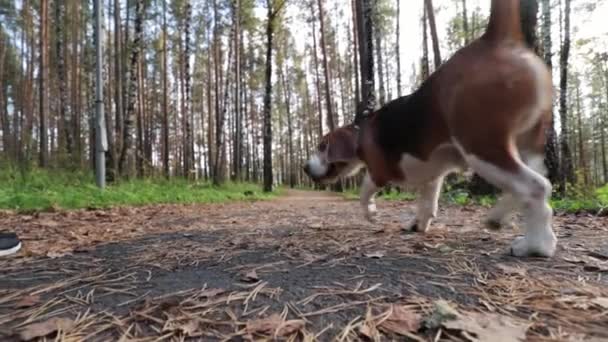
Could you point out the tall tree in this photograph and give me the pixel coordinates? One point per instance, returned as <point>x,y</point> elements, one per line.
<point>567,169</point>
<point>551,150</point>
<point>273,9</point>
<point>65,125</point>
<point>397,46</point>
<point>126,154</point>
<point>238,140</point>
<point>326,70</point>
<point>379,59</point>
<point>425,68</point>
<point>44,149</point>
<point>118,78</point>
<point>430,11</point>
<point>165,124</point>
<point>465,22</point>
<point>188,141</point>
<point>365,35</point>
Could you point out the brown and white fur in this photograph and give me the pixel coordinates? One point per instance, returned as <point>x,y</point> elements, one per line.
<point>486,109</point>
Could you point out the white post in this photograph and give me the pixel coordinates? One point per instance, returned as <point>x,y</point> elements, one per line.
<point>101,141</point>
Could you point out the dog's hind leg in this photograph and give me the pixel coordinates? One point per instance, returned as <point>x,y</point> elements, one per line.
<point>368,202</point>
<point>428,203</point>
<point>497,163</point>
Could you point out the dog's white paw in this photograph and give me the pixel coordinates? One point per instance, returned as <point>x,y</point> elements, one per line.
<point>523,247</point>
<point>370,213</point>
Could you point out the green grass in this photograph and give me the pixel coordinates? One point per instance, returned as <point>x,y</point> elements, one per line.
<point>43,190</point>
<point>580,203</point>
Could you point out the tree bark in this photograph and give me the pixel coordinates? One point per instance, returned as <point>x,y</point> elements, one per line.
<point>426,70</point>
<point>326,70</point>
<point>378,46</point>
<point>397,47</point>
<point>126,153</point>
<point>238,143</point>
<point>430,10</point>
<point>552,161</point>
<point>165,124</point>
<point>365,35</point>
<point>43,136</point>
<point>567,170</point>
<point>118,86</point>
<point>465,23</point>
<point>273,10</point>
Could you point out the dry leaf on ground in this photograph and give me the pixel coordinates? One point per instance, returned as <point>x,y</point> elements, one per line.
<point>274,325</point>
<point>442,312</point>
<point>27,302</point>
<point>45,328</point>
<point>511,270</point>
<point>401,321</point>
<point>375,255</point>
<point>208,293</point>
<point>250,277</point>
<point>601,301</point>
<point>487,327</point>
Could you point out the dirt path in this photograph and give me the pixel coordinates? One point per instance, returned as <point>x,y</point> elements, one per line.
<point>304,266</point>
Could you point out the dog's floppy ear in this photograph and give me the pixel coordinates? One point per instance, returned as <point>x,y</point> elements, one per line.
<point>342,145</point>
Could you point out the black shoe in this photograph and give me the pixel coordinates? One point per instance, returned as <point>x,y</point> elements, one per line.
<point>9,244</point>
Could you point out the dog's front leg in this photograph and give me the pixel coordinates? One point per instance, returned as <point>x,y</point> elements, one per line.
<point>427,206</point>
<point>368,202</point>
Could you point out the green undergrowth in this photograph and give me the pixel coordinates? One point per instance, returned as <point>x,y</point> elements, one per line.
<point>588,201</point>
<point>40,190</point>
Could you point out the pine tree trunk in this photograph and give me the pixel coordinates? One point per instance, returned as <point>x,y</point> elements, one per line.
<point>238,143</point>
<point>397,47</point>
<point>165,125</point>
<point>381,89</point>
<point>316,66</point>
<point>126,154</point>
<point>61,79</point>
<point>328,102</point>
<point>567,170</point>
<point>426,70</point>
<point>118,86</point>
<point>552,161</point>
<point>365,35</point>
<point>42,120</point>
<point>188,153</point>
<point>430,10</point>
<point>465,23</point>
<point>267,121</point>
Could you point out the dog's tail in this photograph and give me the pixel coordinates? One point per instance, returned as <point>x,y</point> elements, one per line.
<point>505,22</point>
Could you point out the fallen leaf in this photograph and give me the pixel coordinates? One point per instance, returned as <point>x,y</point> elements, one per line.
<point>250,277</point>
<point>57,254</point>
<point>511,270</point>
<point>274,326</point>
<point>48,223</point>
<point>208,293</point>
<point>375,255</point>
<point>401,321</point>
<point>27,302</point>
<point>368,328</point>
<point>45,328</point>
<point>442,312</point>
<point>601,301</point>
<point>487,327</point>
<point>315,225</point>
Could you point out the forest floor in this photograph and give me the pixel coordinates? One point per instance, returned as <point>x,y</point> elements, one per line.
<point>304,266</point>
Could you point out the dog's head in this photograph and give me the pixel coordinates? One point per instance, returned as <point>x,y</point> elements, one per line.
<point>335,157</point>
